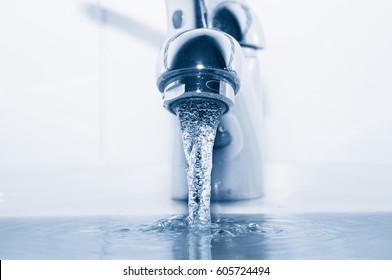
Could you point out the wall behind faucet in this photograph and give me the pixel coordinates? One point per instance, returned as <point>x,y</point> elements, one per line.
<point>328,68</point>
<point>77,83</point>
<point>77,90</point>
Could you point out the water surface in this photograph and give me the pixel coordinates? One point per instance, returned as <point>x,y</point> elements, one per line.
<point>307,236</point>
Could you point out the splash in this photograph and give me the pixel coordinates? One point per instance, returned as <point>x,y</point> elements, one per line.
<point>199,120</point>
<point>198,241</point>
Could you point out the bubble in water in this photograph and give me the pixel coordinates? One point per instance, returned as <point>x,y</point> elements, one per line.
<point>199,120</point>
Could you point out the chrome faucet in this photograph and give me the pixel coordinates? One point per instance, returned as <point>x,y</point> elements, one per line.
<point>212,52</point>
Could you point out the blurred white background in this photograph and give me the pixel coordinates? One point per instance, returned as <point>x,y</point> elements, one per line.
<point>83,131</point>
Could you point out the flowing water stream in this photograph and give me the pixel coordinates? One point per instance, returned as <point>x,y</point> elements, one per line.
<point>199,120</point>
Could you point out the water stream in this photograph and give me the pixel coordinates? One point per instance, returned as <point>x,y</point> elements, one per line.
<point>199,120</point>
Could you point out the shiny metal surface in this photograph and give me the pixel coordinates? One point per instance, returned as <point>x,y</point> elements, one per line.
<point>238,20</point>
<point>202,63</point>
<point>231,16</point>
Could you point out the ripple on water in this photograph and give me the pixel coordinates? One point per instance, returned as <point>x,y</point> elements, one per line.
<point>313,236</point>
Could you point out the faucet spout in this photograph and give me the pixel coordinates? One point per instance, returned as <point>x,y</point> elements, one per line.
<point>200,63</point>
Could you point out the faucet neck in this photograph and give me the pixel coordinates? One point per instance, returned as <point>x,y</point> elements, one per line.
<point>200,14</point>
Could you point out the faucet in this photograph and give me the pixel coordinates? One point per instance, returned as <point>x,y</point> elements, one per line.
<point>212,52</point>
